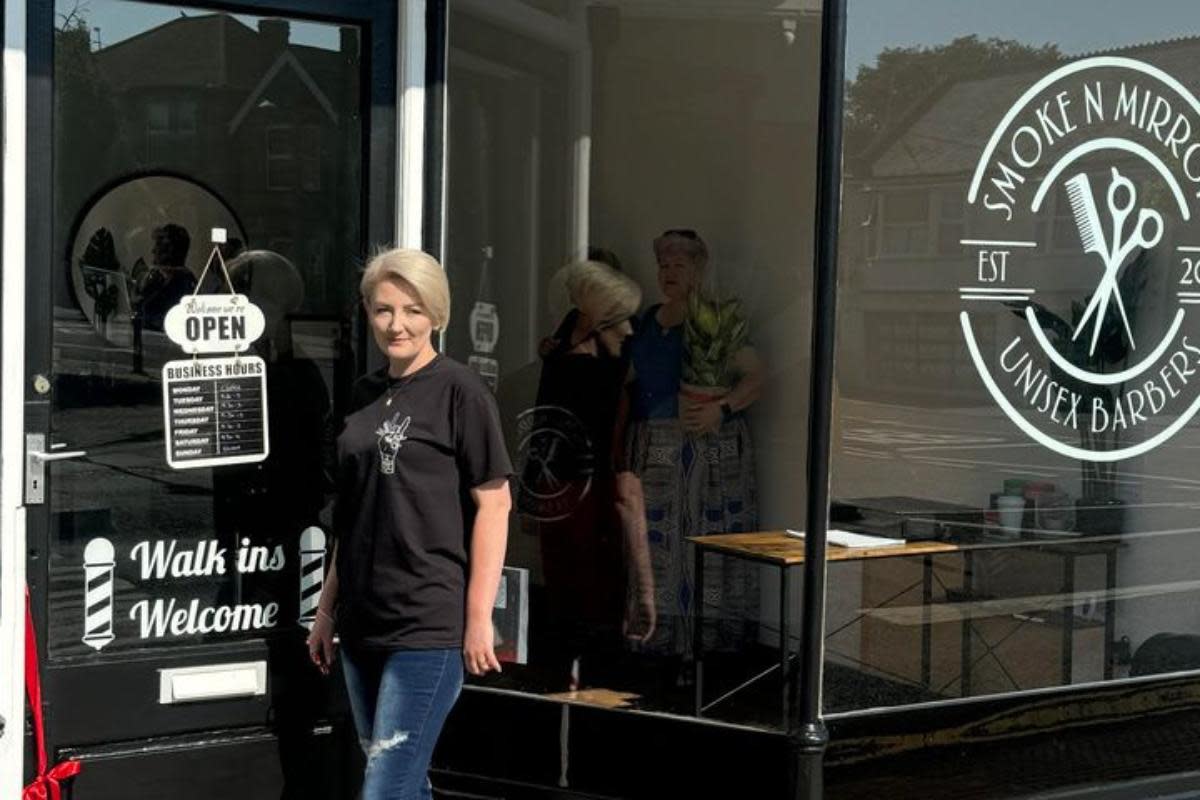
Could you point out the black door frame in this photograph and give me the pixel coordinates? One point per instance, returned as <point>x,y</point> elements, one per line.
<point>382,38</point>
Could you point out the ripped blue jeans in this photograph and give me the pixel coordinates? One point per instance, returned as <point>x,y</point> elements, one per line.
<point>400,700</point>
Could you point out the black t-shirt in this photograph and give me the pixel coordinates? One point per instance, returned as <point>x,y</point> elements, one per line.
<point>589,388</point>
<point>404,511</point>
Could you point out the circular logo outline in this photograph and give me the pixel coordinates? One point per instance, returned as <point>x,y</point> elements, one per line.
<point>552,437</point>
<point>1083,204</point>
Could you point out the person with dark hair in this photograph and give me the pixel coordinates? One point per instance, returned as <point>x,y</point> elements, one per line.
<point>604,256</point>
<point>168,278</point>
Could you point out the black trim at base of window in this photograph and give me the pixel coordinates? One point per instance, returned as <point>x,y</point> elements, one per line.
<point>1148,730</point>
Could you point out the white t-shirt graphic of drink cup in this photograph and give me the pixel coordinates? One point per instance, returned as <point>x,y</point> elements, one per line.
<point>391,438</point>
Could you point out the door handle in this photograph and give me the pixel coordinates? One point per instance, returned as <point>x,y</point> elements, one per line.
<point>59,455</point>
<point>36,457</point>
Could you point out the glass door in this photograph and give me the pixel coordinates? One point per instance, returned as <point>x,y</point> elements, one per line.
<point>181,138</point>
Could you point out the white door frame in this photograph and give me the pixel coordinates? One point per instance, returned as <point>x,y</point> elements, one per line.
<point>410,123</point>
<point>12,406</point>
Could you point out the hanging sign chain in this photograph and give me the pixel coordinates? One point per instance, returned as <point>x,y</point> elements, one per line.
<point>216,251</point>
<point>218,238</point>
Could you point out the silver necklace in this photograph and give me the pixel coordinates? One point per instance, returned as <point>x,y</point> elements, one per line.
<point>402,381</point>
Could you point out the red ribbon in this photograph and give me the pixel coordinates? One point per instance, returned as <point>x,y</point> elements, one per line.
<point>46,785</point>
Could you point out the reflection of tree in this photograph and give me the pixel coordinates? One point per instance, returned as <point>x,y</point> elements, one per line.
<point>1112,351</point>
<point>882,95</point>
<point>84,115</point>
<point>101,253</point>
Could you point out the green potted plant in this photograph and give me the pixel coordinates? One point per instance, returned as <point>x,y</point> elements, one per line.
<point>713,331</point>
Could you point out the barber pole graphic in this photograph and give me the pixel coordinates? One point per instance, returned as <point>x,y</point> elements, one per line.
<point>98,562</point>
<point>312,573</point>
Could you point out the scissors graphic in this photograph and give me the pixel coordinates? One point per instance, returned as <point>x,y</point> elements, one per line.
<point>1146,233</point>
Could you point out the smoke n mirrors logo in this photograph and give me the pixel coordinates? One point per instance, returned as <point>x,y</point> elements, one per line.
<point>555,463</point>
<point>1085,197</point>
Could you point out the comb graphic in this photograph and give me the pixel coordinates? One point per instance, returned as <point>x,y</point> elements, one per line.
<point>1087,217</point>
<point>1091,234</point>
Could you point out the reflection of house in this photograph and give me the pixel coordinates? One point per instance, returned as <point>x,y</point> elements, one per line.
<point>905,215</point>
<point>219,88</point>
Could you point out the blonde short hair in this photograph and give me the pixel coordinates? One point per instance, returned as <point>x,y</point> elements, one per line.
<point>600,291</point>
<point>419,270</point>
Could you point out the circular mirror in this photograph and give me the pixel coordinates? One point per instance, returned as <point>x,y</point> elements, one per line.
<point>141,246</point>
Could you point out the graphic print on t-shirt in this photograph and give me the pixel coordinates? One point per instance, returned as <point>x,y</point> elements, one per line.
<point>404,538</point>
<point>391,439</point>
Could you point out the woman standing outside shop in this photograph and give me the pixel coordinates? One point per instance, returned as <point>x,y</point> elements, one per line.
<point>695,460</point>
<point>421,524</point>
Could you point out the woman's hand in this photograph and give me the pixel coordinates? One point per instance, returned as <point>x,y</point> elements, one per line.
<point>641,614</point>
<point>493,502</point>
<point>641,617</point>
<point>320,642</point>
<point>700,416</point>
<point>479,654</point>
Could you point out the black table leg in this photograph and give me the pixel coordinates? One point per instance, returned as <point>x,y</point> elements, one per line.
<point>698,627</point>
<point>926,622</point>
<point>1110,610</point>
<point>785,648</point>
<point>1068,627</point>
<point>968,598</point>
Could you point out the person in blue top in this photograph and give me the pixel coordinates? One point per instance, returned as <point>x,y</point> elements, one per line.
<point>695,459</point>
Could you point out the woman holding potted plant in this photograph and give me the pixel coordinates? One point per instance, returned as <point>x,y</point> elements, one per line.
<point>694,375</point>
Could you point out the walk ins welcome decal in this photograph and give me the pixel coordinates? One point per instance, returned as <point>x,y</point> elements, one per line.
<point>160,597</point>
<point>1105,362</point>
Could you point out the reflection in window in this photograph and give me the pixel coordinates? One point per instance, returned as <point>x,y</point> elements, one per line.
<point>170,129</point>
<point>310,158</point>
<point>266,101</point>
<point>1059,561</point>
<point>281,158</point>
<point>700,132</point>
<point>951,227</point>
<point>158,117</point>
<point>904,228</point>
<point>186,114</point>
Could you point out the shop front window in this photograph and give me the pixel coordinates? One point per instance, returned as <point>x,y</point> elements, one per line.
<point>1015,406</point>
<point>673,145</point>
<point>904,227</point>
<point>281,158</point>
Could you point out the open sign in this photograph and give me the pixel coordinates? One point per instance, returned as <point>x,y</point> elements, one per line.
<point>214,323</point>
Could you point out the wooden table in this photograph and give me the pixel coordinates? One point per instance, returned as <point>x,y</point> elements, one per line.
<point>785,552</point>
